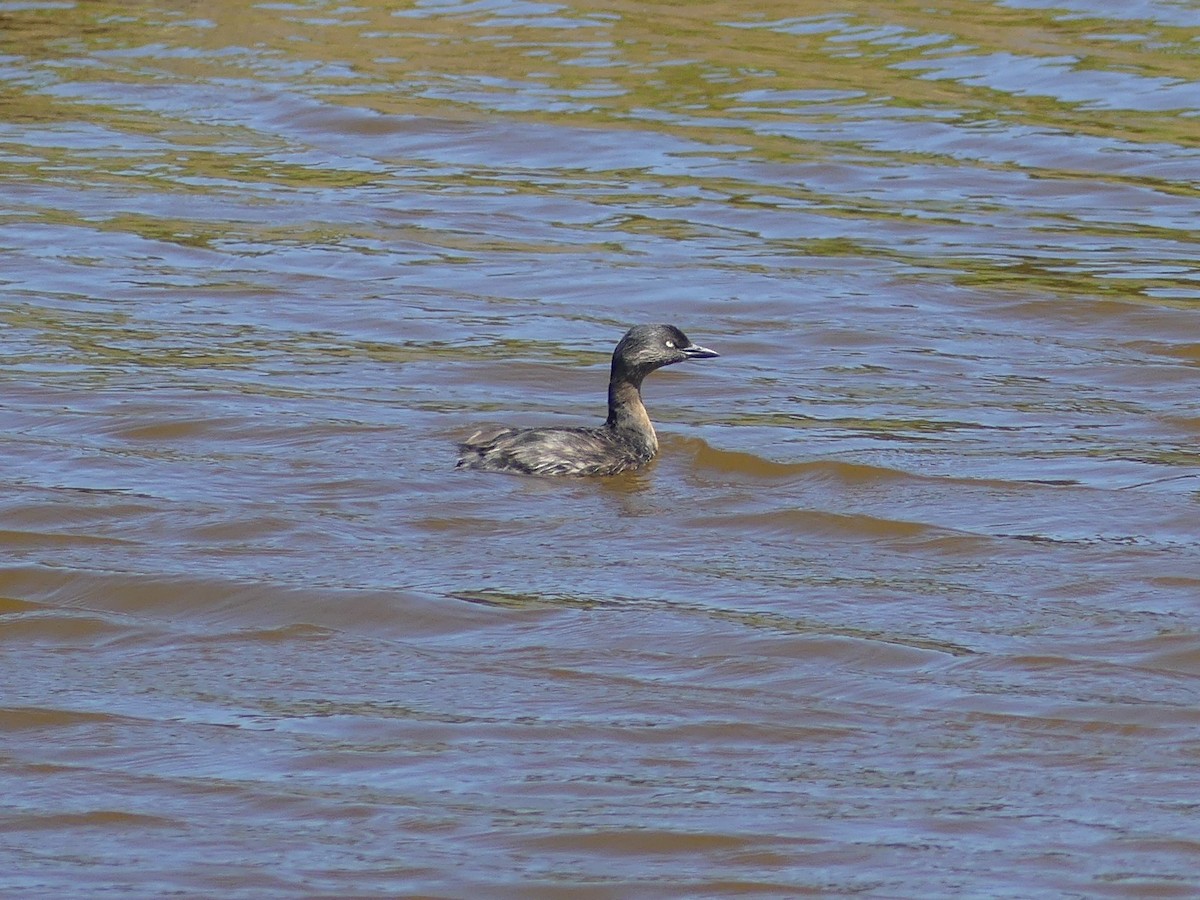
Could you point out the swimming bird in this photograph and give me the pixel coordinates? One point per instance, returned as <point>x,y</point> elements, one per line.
<point>625,441</point>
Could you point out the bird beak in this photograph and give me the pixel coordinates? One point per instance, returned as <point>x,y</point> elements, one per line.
<point>695,351</point>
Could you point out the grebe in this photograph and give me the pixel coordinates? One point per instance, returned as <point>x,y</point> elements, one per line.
<point>625,441</point>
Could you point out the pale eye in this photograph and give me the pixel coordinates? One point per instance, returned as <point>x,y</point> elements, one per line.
<point>671,344</point>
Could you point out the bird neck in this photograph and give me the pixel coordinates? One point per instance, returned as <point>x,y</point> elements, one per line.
<point>626,412</point>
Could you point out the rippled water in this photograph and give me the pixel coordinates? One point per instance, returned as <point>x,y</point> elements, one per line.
<point>909,605</point>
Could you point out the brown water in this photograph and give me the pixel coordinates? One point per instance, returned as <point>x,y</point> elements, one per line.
<point>909,606</point>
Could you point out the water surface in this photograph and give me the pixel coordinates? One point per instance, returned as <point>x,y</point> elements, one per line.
<point>909,605</point>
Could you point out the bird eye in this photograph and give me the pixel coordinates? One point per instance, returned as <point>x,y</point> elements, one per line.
<point>671,344</point>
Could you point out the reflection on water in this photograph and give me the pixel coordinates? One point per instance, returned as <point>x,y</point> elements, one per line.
<point>907,604</point>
